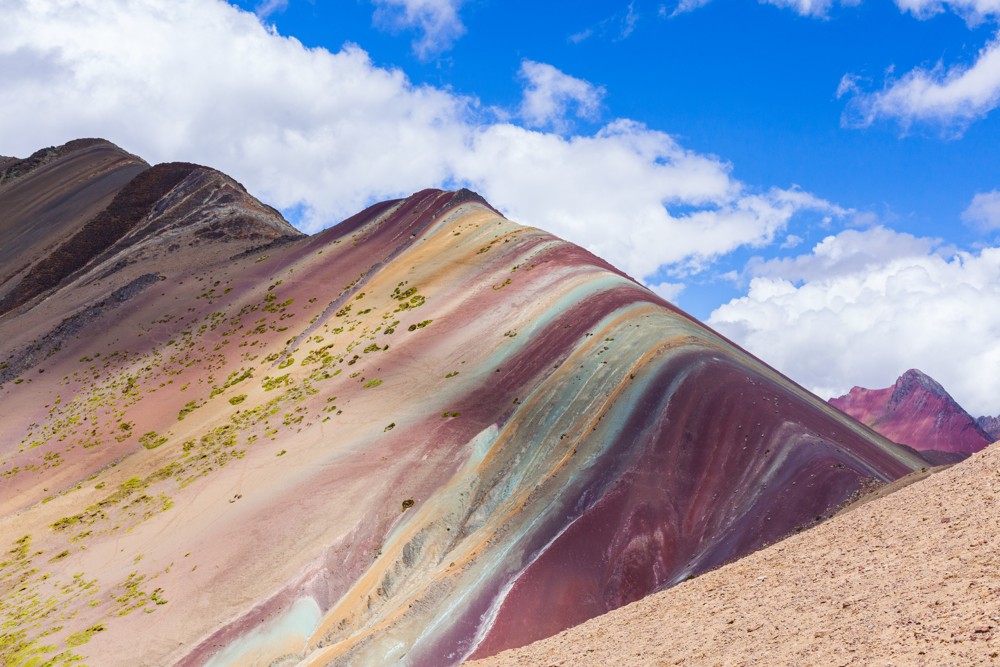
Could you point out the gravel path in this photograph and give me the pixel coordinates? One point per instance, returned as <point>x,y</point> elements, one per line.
<point>910,579</point>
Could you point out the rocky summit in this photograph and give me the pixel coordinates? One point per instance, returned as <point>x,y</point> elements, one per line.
<point>425,434</point>
<point>917,411</point>
<point>990,426</point>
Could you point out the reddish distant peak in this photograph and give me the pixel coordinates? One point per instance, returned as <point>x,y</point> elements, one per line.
<point>916,411</point>
<point>460,196</point>
<point>917,379</point>
<point>907,384</point>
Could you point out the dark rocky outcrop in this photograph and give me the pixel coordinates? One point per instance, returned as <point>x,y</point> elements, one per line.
<point>48,198</point>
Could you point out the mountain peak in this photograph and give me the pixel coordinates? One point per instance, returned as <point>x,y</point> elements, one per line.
<point>915,378</point>
<point>916,411</point>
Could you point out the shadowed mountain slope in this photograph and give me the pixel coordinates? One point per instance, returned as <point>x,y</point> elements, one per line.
<point>48,197</point>
<point>423,434</point>
<point>916,411</point>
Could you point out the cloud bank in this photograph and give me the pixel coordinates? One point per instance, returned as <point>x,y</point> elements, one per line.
<point>326,133</point>
<point>864,306</point>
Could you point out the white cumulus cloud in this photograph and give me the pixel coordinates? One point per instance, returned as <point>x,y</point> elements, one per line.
<point>848,252</point>
<point>949,97</point>
<point>984,211</point>
<point>612,193</point>
<point>843,315</point>
<point>437,21</point>
<point>327,133</point>
<point>668,291</point>
<point>550,94</point>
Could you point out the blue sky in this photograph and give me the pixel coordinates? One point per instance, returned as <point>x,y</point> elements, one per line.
<point>816,180</point>
<point>754,84</point>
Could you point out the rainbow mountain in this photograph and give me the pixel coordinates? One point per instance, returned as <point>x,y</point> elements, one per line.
<point>425,434</point>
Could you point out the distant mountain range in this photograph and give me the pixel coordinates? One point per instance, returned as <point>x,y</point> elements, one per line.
<point>424,434</point>
<point>918,412</point>
<point>990,426</point>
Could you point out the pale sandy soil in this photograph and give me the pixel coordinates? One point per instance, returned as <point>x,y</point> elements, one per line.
<point>910,579</point>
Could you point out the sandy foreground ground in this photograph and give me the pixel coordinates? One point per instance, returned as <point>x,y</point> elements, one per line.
<point>909,579</point>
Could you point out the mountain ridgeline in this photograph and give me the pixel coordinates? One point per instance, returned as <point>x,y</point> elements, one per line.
<point>425,434</point>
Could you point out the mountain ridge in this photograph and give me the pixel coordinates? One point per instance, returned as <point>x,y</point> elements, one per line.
<point>147,205</point>
<point>12,167</point>
<point>374,443</point>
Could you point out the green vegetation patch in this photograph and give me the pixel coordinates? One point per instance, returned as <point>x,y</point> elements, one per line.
<point>152,440</point>
<point>82,637</point>
<point>188,408</point>
<point>418,325</point>
<point>270,383</point>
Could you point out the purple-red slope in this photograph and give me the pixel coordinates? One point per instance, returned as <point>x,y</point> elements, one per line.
<point>700,475</point>
<point>918,412</point>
